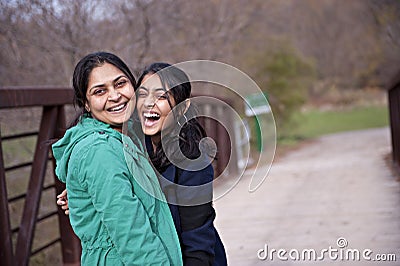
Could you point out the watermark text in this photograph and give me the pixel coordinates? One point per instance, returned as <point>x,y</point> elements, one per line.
<point>339,253</point>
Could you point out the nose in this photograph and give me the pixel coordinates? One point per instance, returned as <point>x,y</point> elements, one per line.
<point>114,95</point>
<point>149,102</point>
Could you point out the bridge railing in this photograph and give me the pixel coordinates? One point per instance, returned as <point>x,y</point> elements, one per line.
<point>394,112</point>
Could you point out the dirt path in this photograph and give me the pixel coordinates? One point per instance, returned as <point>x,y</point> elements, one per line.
<point>337,187</point>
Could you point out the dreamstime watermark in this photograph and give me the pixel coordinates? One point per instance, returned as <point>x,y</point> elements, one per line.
<point>339,253</point>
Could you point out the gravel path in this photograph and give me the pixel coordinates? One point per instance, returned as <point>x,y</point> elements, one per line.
<point>337,187</point>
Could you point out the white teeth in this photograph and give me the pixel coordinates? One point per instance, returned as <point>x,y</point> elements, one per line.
<point>117,108</point>
<point>151,115</point>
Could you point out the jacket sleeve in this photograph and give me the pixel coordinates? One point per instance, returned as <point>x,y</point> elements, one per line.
<point>197,222</point>
<point>122,213</point>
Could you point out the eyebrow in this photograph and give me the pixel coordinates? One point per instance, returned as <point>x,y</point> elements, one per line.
<point>102,85</point>
<point>157,89</point>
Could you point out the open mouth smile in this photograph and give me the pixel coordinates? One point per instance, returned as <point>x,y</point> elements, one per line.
<point>150,118</point>
<point>117,108</point>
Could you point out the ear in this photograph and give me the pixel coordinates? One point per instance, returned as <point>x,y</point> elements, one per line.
<point>87,107</point>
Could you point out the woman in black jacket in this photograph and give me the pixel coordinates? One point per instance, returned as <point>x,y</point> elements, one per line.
<point>172,136</point>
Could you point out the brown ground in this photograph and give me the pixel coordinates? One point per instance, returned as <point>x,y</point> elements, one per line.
<point>337,186</point>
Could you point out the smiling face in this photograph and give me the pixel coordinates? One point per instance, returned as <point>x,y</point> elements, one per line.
<point>154,105</point>
<point>109,95</point>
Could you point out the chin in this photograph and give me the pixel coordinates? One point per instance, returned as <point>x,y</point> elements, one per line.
<point>117,123</point>
<point>150,132</point>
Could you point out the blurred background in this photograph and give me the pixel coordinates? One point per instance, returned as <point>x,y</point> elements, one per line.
<point>305,54</point>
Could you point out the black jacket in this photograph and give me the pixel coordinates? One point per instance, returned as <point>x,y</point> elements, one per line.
<point>199,239</point>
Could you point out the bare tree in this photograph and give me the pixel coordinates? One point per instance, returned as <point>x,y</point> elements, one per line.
<point>43,39</point>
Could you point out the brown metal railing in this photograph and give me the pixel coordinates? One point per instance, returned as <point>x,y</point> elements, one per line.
<point>216,118</point>
<point>52,126</point>
<point>394,112</point>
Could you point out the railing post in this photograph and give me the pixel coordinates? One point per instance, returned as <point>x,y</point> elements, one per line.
<point>394,116</point>
<point>226,141</point>
<point>70,244</point>
<point>394,119</point>
<point>35,186</point>
<point>6,252</point>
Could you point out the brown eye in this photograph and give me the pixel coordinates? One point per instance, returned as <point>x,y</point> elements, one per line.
<point>99,91</point>
<point>121,83</point>
<point>162,96</point>
<point>141,93</point>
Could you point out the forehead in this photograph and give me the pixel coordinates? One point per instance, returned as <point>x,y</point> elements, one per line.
<point>152,82</point>
<point>104,73</point>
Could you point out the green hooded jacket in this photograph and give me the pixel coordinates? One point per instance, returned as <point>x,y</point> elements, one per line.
<point>117,221</point>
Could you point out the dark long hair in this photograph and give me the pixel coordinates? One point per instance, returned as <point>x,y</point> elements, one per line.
<point>187,137</point>
<point>84,67</point>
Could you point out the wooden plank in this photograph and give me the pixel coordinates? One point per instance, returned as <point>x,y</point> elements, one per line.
<point>11,97</point>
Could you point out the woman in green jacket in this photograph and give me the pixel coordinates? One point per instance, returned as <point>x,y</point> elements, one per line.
<point>117,221</point>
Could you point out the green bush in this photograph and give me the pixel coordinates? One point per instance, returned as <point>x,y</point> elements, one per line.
<point>285,76</point>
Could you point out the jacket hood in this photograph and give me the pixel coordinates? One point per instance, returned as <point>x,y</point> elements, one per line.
<point>63,148</point>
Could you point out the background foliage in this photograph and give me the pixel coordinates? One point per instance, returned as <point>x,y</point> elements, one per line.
<point>298,51</point>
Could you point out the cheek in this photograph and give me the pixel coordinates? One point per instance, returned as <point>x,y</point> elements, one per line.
<point>168,118</point>
<point>94,104</point>
<point>165,109</point>
<point>97,104</point>
<point>139,103</point>
<point>129,92</point>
